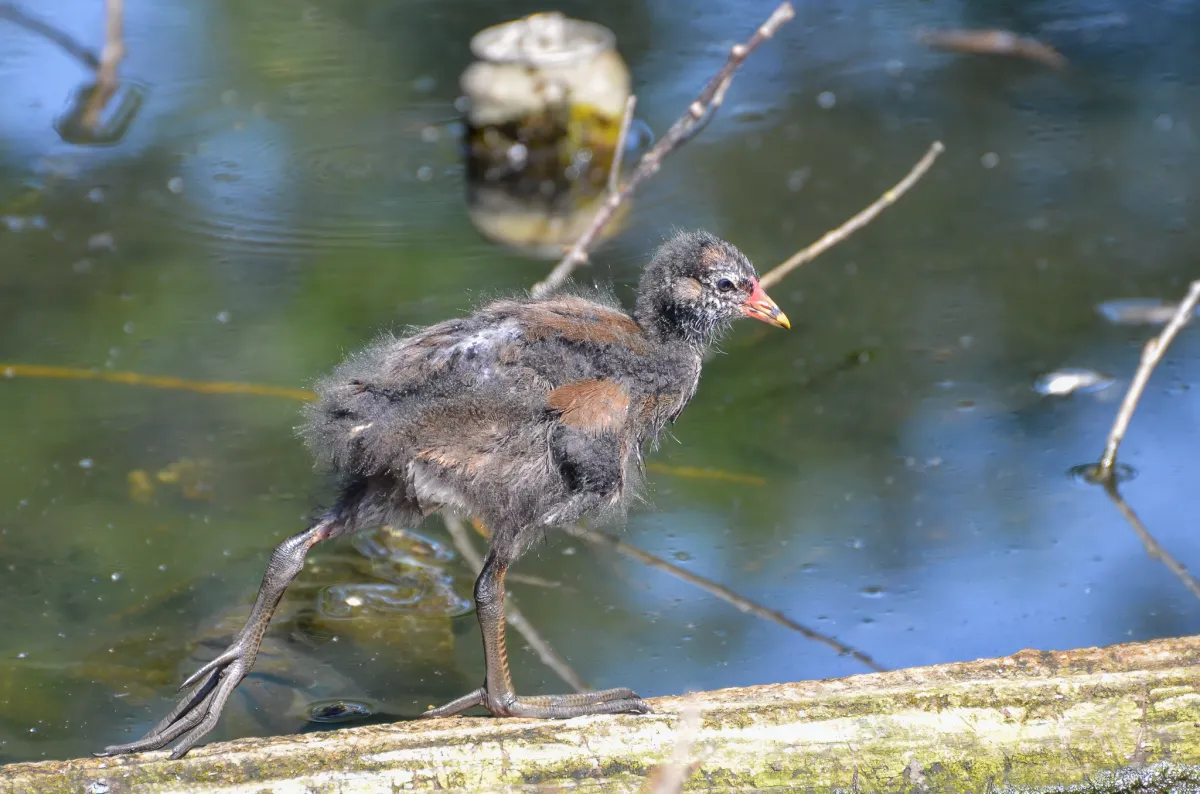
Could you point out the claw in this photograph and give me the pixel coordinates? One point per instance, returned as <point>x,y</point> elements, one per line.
<point>197,713</point>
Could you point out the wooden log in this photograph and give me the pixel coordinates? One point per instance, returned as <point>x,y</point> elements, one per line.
<point>1032,719</point>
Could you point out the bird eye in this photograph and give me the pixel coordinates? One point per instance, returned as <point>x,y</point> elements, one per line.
<point>724,285</point>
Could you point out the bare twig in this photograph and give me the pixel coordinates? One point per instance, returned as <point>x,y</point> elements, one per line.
<point>614,171</point>
<point>72,47</point>
<point>1152,545</point>
<point>670,776</point>
<point>1152,353</point>
<point>722,592</point>
<point>549,657</point>
<point>832,238</point>
<point>110,59</point>
<point>681,131</point>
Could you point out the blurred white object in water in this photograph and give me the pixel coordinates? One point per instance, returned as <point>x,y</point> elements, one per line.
<point>1137,311</point>
<point>1070,380</point>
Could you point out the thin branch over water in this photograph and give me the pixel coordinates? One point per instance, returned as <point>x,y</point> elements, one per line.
<point>110,59</point>
<point>671,775</point>
<point>832,238</point>
<point>1152,353</point>
<point>722,592</point>
<point>698,114</point>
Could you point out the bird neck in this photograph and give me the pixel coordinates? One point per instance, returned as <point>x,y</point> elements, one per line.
<point>667,320</point>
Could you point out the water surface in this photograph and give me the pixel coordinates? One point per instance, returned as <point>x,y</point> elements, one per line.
<point>291,187</point>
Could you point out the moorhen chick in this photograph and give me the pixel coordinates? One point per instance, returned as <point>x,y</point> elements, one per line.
<point>525,415</point>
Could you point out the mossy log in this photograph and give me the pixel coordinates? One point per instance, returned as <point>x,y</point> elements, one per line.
<point>1029,720</point>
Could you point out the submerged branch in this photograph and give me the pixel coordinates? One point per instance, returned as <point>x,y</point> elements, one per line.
<point>514,616</point>
<point>722,592</point>
<point>1153,548</point>
<point>69,45</point>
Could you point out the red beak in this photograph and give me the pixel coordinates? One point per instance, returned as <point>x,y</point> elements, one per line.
<point>760,306</point>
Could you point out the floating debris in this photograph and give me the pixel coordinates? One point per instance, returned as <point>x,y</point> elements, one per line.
<point>102,241</point>
<point>545,101</point>
<point>1069,381</point>
<point>425,596</point>
<point>1089,473</point>
<point>1137,311</point>
<point>335,711</point>
<point>993,42</point>
<point>191,476</point>
<point>141,489</point>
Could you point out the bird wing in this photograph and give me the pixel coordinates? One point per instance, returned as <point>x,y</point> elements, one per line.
<point>537,345</point>
<point>594,406</point>
<point>579,361</point>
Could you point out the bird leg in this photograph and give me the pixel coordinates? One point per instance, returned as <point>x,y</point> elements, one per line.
<point>198,712</point>
<point>497,694</point>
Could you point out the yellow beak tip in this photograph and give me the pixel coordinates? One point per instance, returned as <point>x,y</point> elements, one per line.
<point>783,321</point>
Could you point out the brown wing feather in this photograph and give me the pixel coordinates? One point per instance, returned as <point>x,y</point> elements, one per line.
<point>577,320</point>
<point>594,406</point>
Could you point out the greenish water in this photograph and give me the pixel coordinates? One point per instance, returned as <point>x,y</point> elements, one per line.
<point>291,187</point>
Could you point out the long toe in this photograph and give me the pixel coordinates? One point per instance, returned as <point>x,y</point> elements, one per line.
<point>457,705</point>
<point>561,707</point>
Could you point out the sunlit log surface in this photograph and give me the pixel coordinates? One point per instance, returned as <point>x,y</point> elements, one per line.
<point>1028,720</point>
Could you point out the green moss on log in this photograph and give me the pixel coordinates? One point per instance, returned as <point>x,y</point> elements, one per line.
<point>1032,720</point>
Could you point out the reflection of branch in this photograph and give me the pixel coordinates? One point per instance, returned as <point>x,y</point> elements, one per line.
<point>110,59</point>
<point>71,46</point>
<point>832,238</point>
<point>541,647</point>
<point>720,591</point>
<point>691,122</point>
<point>1152,546</point>
<point>1152,353</point>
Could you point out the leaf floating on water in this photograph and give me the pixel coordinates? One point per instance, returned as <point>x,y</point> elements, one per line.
<point>1068,381</point>
<point>1137,311</point>
<point>993,42</point>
